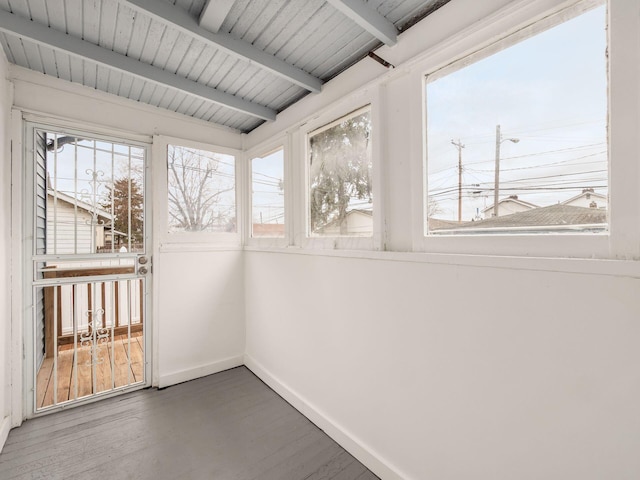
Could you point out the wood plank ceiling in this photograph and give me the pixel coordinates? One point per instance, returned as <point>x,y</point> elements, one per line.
<point>231,62</point>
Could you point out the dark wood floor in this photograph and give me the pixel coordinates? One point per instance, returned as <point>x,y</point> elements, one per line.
<point>228,426</point>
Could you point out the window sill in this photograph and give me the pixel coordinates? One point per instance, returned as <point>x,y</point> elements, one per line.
<point>199,247</point>
<point>588,266</point>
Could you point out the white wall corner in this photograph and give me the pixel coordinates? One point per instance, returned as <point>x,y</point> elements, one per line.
<point>355,446</point>
<point>181,376</point>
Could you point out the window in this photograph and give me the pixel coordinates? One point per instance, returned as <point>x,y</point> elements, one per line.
<point>267,195</point>
<point>201,190</point>
<point>90,195</point>
<point>517,141</point>
<point>340,177</point>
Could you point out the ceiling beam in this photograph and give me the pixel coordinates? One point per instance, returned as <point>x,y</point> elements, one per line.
<point>41,34</point>
<point>365,16</point>
<point>213,14</point>
<point>182,20</point>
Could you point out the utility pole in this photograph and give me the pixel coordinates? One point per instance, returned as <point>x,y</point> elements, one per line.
<point>459,146</point>
<point>496,181</point>
<point>496,187</point>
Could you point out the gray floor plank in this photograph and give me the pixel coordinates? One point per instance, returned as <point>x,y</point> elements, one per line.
<point>228,426</point>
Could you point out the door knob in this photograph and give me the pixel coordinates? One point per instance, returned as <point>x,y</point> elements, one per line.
<point>142,270</point>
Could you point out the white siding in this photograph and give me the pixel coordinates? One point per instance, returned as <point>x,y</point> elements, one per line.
<point>40,236</point>
<point>358,223</point>
<point>65,226</point>
<point>506,207</point>
<point>585,200</point>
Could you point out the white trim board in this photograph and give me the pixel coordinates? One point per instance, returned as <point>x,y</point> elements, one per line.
<point>200,371</point>
<point>5,426</point>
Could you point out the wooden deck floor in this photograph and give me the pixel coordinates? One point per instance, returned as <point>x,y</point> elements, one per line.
<point>124,374</point>
<point>228,426</point>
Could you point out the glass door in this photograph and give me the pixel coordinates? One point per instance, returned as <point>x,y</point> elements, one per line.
<point>90,264</point>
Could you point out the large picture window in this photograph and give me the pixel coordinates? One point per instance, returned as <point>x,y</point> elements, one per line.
<point>201,190</point>
<point>517,141</point>
<point>340,177</point>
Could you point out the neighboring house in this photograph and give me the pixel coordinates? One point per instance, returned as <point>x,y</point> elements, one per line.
<point>74,226</point>
<point>356,222</point>
<point>588,199</point>
<point>549,219</point>
<point>507,206</point>
<point>268,230</point>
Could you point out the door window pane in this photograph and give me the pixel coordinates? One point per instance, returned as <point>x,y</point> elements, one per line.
<point>90,195</point>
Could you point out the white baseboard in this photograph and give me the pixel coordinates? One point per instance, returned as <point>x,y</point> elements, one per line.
<point>200,371</point>
<point>347,441</point>
<point>5,426</point>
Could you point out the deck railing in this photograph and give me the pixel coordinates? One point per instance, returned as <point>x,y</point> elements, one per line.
<point>72,310</point>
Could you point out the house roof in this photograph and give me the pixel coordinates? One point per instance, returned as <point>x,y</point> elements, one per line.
<point>360,211</point>
<point>552,216</point>
<point>231,62</point>
<point>83,205</point>
<point>584,194</point>
<point>440,224</point>
<point>512,199</point>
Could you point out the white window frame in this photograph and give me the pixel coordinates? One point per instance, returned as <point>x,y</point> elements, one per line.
<point>169,241</point>
<point>370,98</point>
<point>515,22</point>
<point>263,150</point>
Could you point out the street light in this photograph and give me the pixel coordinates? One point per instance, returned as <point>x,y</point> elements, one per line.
<point>496,188</point>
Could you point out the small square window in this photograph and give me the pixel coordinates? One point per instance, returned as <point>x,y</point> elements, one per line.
<point>201,190</point>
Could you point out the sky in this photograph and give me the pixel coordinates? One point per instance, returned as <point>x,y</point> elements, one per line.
<point>548,91</point>
<point>71,169</point>
<point>267,188</point>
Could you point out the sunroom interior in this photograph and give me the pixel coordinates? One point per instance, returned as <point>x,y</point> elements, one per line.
<point>422,223</point>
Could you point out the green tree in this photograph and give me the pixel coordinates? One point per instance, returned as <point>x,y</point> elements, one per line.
<point>128,206</point>
<point>340,171</point>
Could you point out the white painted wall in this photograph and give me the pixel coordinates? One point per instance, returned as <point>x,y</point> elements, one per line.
<point>404,358</point>
<point>413,368</point>
<point>201,308</point>
<point>88,107</point>
<point>5,252</point>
